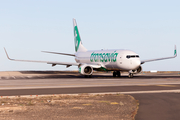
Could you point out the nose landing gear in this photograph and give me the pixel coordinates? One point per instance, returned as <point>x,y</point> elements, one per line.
<point>130,75</point>
<point>116,73</point>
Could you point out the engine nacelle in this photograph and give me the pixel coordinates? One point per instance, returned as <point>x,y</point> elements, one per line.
<point>85,70</point>
<point>137,70</point>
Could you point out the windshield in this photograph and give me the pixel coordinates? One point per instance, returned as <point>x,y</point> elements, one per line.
<point>132,56</point>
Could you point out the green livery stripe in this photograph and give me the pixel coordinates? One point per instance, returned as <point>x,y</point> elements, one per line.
<point>77,38</point>
<point>102,69</point>
<point>80,70</point>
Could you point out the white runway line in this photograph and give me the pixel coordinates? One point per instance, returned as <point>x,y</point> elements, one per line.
<point>67,85</point>
<point>143,92</point>
<point>133,92</point>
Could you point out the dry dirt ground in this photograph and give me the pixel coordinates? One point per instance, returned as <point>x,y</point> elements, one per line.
<point>68,107</point>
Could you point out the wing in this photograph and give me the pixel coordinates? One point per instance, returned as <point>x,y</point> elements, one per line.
<point>68,64</point>
<point>59,53</point>
<point>175,54</point>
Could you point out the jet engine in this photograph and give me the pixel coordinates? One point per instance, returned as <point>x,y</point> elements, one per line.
<point>138,70</point>
<point>85,70</point>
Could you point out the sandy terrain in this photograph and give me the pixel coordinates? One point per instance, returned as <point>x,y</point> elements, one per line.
<point>68,107</point>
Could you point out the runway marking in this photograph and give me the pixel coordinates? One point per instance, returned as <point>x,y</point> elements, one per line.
<point>167,85</point>
<point>102,93</point>
<point>104,102</point>
<point>114,103</point>
<point>142,92</point>
<point>79,85</point>
<point>161,85</point>
<point>77,108</point>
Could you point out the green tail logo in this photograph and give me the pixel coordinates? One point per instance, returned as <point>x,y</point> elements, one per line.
<point>175,52</point>
<point>77,38</point>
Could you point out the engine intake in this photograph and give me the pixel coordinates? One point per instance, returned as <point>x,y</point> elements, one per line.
<point>86,70</point>
<point>137,70</point>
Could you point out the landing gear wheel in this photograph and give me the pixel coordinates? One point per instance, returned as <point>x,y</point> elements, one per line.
<point>114,74</point>
<point>130,75</point>
<point>118,73</point>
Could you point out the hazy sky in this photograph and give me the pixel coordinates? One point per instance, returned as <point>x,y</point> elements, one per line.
<point>151,28</point>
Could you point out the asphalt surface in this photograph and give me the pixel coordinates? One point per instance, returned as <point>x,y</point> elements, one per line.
<point>79,90</point>
<point>156,105</point>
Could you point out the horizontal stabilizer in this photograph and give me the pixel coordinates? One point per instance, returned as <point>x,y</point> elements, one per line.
<point>58,53</point>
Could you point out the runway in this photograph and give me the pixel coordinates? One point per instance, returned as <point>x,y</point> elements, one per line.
<point>101,89</point>
<point>158,94</point>
<point>38,80</point>
<point>42,82</point>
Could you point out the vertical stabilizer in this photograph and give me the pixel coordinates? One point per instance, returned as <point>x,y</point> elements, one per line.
<point>77,39</point>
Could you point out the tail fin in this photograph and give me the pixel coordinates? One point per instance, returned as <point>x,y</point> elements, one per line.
<point>77,39</point>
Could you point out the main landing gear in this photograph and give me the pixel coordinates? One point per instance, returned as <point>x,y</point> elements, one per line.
<point>116,73</point>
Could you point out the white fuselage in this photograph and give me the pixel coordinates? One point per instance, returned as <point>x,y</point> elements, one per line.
<point>122,60</point>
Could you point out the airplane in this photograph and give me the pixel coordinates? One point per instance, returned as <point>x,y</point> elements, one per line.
<point>116,60</point>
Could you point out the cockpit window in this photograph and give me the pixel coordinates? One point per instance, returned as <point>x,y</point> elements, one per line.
<point>132,56</point>
<point>128,56</point>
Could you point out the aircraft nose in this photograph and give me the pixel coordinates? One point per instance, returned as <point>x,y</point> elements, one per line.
<point>136,63</point>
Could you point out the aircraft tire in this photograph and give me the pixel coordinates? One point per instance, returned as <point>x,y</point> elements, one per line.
<point>130,75</point>
<point>114,74</point>
<point>118,73</point>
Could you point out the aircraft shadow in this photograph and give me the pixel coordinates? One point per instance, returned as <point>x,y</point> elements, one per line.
<point>75,75</point>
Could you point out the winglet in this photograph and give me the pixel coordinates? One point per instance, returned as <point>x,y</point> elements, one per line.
<point>175,51</point>
<point>7,54</point>
<point>175,55</point>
